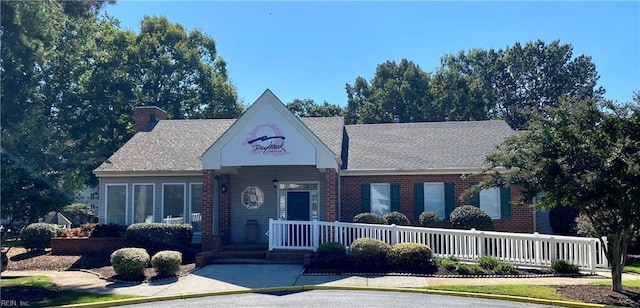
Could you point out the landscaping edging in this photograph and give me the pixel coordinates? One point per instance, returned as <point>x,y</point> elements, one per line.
<point>305,273</point>
<point>81,245</point>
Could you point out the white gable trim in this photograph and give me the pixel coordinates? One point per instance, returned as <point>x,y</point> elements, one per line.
<point>212,157</point>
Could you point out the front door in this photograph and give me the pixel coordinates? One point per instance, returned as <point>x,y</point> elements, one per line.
<point>298,205</point>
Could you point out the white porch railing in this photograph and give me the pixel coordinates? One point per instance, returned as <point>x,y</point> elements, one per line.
<point>536,250</point>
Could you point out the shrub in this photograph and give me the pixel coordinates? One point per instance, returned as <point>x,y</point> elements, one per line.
<point>505,269</point>
<point>410,257</point>
<point>38,235</point>
<point>449,263</point>
<point>430,220</point>
<point>369,254</point>
<point>397,218</point>
<point>155,237</point>
<point>564,267</point>
<point>129,263</point>
<point>488,262</point>
<point>332,255</point>
<point>167,262</point>
<point>476,269</point>
<point>88,228</point>
<point>470,217</point>
<point>109,230</point>
<point>463,268</point>
<point>369,218</point>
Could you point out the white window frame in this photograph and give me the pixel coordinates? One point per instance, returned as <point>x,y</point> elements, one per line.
<point>493,209</point>
<point>190,202</point>
<point>388,185</point>
<point>441,212</point>
<point>184,199</point>
<point>126,202</point>
<point>133,201</point>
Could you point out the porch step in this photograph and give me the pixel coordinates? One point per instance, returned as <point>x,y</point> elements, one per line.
<point>241,254</point>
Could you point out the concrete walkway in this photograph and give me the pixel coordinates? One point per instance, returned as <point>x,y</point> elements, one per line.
<point>239,277</point>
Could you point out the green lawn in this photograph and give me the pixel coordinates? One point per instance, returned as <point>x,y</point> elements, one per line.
<point>633,267</point>
<point>635,283</point>
<point>42,284</point>
<point>542,292</point>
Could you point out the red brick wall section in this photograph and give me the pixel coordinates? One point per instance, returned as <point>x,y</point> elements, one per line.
<point>142,115</point>
<point>331,202</point>
<point>225,211</point>
<point>521,215</point>
<point>80,245</point>
<point>208,185</point>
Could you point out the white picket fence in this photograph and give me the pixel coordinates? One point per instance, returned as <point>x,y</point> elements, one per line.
<point>535,250</point>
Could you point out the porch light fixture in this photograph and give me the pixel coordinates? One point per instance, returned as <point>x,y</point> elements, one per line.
<point>223,188</point>
<point>275,177</point>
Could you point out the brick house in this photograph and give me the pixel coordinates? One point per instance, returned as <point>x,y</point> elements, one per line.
<point>227,177</point>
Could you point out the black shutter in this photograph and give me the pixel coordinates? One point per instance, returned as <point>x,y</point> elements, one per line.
<point>395,196</point>
<point>365,198</point>
<point>449,199</point>
<point>418,196</point>
<point>505,202</point>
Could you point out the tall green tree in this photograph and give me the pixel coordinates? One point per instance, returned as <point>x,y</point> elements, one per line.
<point>181,72</point>
<point>307,108</point>
<point>527,78</point>
<point>583,154</point>
<point>398,90</point>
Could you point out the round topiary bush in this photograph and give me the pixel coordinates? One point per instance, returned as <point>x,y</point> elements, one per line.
<point>369,218</point>
<point>488,262</point>
<point>564,267</point>
<point>470,217</point>
<point>369,254</point>
<point>331,255</point>
<point>410,257</point>
<point>38,235</point>
<point>129,263</point>
<point>167,262</point>
<point>397,218</point>
<point>430,220</point>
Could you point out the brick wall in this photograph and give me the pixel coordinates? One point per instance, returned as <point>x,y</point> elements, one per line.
<point>331,198</point>
<point>521,215</point>
<point>208,185</point>
<point>225,211</point>
<point>143,114</point>
<point>80,245</point>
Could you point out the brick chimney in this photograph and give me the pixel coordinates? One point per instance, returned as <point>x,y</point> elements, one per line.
<point>147,117</point>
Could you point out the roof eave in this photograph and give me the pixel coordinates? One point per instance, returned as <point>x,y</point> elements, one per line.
<point>155,173</point>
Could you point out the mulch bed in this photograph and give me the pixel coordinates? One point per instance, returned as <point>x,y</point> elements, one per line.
<point>21,260</point>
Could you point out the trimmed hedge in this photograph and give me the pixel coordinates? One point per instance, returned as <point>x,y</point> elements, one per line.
<point>167,262</point>
<point>38,235</point>
<point>129,263</point>
<point>410,257</point>
<point>369,218</point>
<point>397,218</point>
<point>108,230</point>
<point>331,255</point>
<point>564,267</point>
<point>369,254</point>
<point>155,237</point>
<point>470,217</point>
<point>430,220</point>
<point>488,262</point>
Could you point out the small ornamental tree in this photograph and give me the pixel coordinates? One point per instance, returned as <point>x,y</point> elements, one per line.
<point>583,154</point>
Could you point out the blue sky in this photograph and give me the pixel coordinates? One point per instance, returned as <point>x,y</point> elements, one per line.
<point>311,49</point>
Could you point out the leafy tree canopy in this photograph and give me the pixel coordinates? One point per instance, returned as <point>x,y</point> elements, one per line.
<point>583,154</point>
<point>307,108</point>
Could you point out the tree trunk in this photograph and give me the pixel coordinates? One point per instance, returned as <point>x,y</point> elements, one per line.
<point>617,247</point>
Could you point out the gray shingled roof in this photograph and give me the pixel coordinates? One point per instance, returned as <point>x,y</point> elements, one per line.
<point>420,146</point>
<point>176,145</point>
